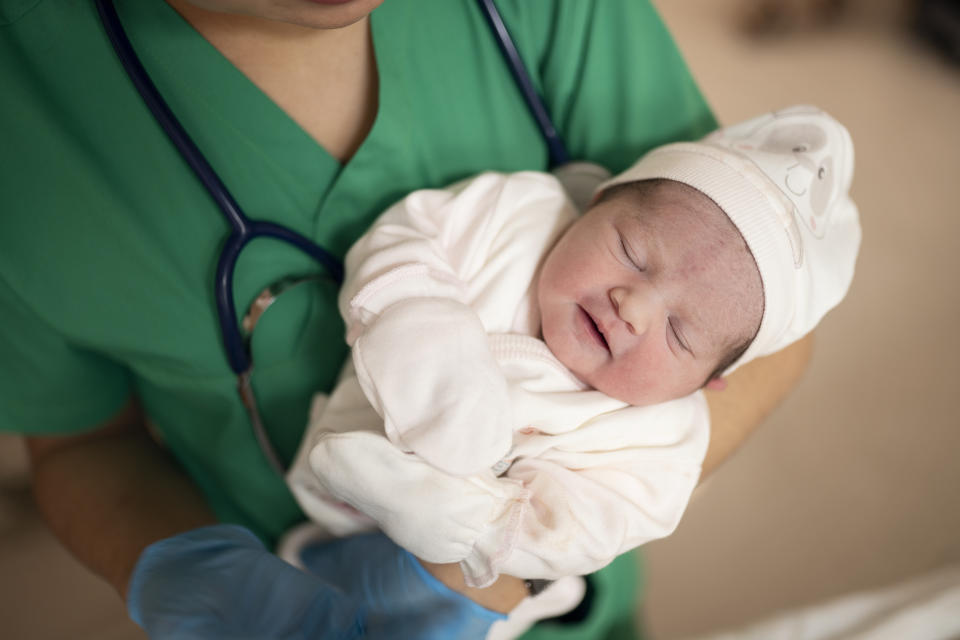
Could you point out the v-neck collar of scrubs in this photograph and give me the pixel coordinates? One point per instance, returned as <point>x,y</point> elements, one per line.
<point>193,75</point>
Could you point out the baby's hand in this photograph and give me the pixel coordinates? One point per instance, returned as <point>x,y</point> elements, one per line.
<point>407,497</point>
<point>441,393</point>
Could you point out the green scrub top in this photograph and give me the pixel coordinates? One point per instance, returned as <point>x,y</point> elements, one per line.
<point>108,243</point>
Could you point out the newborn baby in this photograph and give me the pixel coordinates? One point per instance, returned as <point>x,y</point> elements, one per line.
<point>524,391</point>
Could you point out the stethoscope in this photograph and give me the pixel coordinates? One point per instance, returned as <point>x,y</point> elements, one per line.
<point>244,229</point>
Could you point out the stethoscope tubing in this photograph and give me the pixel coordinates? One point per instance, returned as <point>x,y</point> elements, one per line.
<point>555,147</point>
<point>244,229</point>
<point>239,238</point>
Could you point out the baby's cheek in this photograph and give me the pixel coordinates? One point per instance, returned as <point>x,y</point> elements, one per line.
<point>564,270</point>
<point>630,382</point>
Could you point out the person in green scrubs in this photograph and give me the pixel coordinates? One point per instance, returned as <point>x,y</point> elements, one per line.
<point>317,115</point>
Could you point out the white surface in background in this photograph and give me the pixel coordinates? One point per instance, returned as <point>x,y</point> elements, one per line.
<point>924,608</point>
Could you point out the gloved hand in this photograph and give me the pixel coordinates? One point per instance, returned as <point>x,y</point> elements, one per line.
<point>401,598</point>
<point>221,582</point>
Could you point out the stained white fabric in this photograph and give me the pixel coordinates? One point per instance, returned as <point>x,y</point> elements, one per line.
<point>455,430</point>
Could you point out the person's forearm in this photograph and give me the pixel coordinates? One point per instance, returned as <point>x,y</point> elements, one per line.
<point>753,391</point>
<point>502,596</point>
<point>109,494</point>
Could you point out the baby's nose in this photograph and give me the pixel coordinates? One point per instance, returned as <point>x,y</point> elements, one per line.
<point>638,307</point>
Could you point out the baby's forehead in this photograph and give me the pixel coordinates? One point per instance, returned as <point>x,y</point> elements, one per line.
<point>668,209</point>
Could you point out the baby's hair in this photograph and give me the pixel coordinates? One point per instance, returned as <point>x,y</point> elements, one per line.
<point>733,354</point>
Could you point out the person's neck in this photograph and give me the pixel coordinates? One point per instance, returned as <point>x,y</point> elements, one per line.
<point>324,79</point>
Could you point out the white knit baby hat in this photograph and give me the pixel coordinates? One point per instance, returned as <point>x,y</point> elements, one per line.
<point>783,179</point>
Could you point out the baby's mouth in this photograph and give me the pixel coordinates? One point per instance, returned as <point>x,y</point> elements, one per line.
<point>594,329</point>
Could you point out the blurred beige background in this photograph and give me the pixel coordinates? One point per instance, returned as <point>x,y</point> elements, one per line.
<point>854,482</point>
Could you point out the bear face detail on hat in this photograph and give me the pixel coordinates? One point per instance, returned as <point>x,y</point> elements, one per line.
<point>783,179</point>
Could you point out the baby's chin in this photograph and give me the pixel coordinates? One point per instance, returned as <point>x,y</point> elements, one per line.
<point>635,396</point>
<point>595,384</point>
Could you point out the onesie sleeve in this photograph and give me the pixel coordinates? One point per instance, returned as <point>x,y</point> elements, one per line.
<point>419,349</point>
<point>615,483</point>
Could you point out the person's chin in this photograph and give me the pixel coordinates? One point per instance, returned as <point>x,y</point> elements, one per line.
<point>319,14</point>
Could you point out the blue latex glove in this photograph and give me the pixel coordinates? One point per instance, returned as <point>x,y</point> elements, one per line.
<point>401,598</point>
<point>220,582</point>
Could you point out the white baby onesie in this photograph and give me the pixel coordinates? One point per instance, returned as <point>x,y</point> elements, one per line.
<point>455,430</point>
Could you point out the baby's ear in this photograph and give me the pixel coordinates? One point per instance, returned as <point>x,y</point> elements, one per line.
<point>716,384</point>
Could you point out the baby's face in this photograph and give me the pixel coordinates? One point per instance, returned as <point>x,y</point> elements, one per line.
<point>644,296</point>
